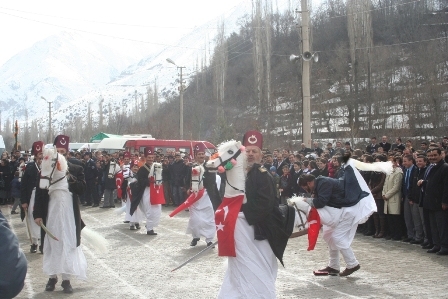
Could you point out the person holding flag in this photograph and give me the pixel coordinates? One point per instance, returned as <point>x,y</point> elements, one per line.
<point>260,236</point>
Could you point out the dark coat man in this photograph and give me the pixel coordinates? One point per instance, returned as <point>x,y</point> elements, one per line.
<point>436,201</point>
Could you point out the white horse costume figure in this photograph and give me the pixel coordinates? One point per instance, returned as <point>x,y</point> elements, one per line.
<point>332,218</point>
<point>114,168</point>
<point>202,216</point>
<point>153,198</point>
<point>252,269</point>
<point>63,256</point>
<point>138,216</point>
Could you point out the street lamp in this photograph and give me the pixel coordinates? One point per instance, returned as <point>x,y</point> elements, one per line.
<point>49,118</point>
<point>181,96</point>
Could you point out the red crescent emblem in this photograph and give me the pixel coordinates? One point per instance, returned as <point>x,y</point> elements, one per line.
<point>252,139</point>
<point>63,141</point>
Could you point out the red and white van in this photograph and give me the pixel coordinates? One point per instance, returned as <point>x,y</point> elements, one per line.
<point>164,146</point>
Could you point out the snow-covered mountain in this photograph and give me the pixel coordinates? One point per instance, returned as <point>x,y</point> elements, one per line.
<point>59,68</point>
<point>73,71</point>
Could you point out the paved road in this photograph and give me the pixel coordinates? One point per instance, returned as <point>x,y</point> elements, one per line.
<point>139,266</point>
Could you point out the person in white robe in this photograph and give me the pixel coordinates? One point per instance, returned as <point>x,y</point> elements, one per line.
<point>342,204</point>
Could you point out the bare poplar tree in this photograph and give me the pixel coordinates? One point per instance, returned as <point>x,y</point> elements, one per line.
<point>220,70</point>
<point>267,49</point>
<point>258,54</point>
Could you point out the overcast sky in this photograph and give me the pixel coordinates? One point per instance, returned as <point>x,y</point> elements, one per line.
<point>152,22</point>
<point>24,22</point>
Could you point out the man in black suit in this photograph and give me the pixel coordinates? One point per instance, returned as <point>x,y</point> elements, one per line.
<point>435,187</point>
<point>372,147</point>
<point>384,144</point>
<point>410,171</point>
<point>91,173</point>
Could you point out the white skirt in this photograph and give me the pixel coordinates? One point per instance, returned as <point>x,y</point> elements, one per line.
<point>138,215</point>
<point>252,273</point>
<point>202,219</point>
<point>339,225</point>
<point>62,257</point>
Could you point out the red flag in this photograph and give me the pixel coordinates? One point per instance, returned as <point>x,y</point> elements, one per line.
<point>225,220</point>
<point>313,228</point>
<point>156,195</point>
<point>194,197</point>
<point>118,183</point>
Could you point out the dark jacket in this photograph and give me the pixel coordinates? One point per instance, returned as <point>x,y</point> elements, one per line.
<point>404,190</point>
<point>285,185</point>
<point>90,170</point>
<point>415,191</point>
<point>436,187</point>
<point>138,187</point>
<point>322,172</point>
<point>76,179</point>
<point>262,210</point>
<point>14,264</point>
<point>280,166</point>
<point>386,146</point>
<point>376,184</point>
<point>178,173</point>
<point>7,176</point>
<point>30,179</point>
<point>370,149</point>
<point>294,181</point>
<point>338,193</point>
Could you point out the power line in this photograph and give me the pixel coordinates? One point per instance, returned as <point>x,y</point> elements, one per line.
<point>100,34</point>
<point>105,23</point>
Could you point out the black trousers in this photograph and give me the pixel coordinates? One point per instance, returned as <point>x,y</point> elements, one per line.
<point>394,222</point>
<point>91,194</point>
<point>427,224</point>
<point>439,228</point>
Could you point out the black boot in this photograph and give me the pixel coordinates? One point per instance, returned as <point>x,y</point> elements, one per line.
<point>67,286</point>
<point>194,242</point>
<point>33,248</point>
<point>50,284</point>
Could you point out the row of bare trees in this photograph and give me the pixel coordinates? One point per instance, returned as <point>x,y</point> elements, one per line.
<point>383,69</point>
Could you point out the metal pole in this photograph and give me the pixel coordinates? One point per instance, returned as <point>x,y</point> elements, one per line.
<point>306,110</point>
<point>181,90</point>
<point>49,121</point>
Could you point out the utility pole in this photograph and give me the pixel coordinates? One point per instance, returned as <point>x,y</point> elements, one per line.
<point>306,93</point>
<point>181,93</point>
<point>49,120</point>
<point>181,99</point>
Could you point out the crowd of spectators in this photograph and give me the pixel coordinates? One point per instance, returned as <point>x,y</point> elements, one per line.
<point>412,203</point>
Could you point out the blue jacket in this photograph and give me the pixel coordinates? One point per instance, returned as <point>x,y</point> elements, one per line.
<point>13,262</point>
<point>15,187</point>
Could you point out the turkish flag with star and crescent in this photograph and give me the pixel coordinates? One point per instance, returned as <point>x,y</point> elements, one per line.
<point>118,183</point>
<point>225,220</point>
